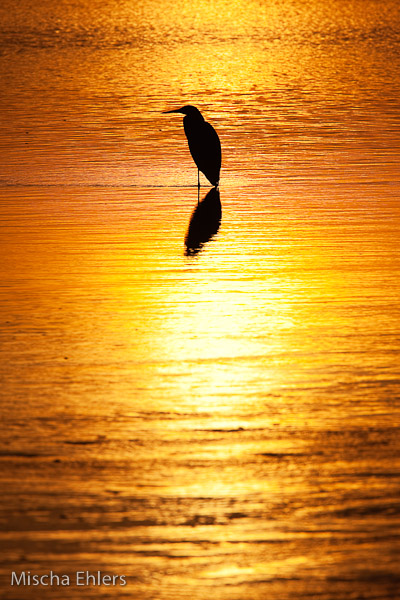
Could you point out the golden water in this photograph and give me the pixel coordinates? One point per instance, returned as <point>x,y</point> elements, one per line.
<point>220,420</point>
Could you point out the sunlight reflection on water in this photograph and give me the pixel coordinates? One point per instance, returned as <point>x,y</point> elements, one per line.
<point>203,408</point>
<point>204,399</point>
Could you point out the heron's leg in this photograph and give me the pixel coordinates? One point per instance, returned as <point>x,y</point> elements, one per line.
<point>198,186</point>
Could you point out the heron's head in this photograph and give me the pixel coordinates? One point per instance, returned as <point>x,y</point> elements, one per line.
<point>190,111</point>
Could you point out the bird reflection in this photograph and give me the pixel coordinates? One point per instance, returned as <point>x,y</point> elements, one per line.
<point>204,222</point>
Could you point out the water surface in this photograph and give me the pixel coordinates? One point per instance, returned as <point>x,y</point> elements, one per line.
<point>220,418</point>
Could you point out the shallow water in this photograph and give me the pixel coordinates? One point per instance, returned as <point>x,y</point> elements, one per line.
<point>202,398</point>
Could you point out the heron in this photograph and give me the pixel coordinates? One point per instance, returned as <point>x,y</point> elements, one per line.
<point>204,144</point>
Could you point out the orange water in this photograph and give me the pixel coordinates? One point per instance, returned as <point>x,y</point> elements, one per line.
<point>220,420</point>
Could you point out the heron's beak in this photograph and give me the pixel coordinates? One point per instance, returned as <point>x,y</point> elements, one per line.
<point>166,112</point>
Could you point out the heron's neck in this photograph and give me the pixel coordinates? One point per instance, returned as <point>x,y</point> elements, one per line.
<point>196,116</point>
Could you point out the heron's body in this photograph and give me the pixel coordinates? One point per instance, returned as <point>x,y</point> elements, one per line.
<point>204,144</point>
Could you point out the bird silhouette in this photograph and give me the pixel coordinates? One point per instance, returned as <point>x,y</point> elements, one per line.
<point>204,144</point>
<point>204,222</point>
